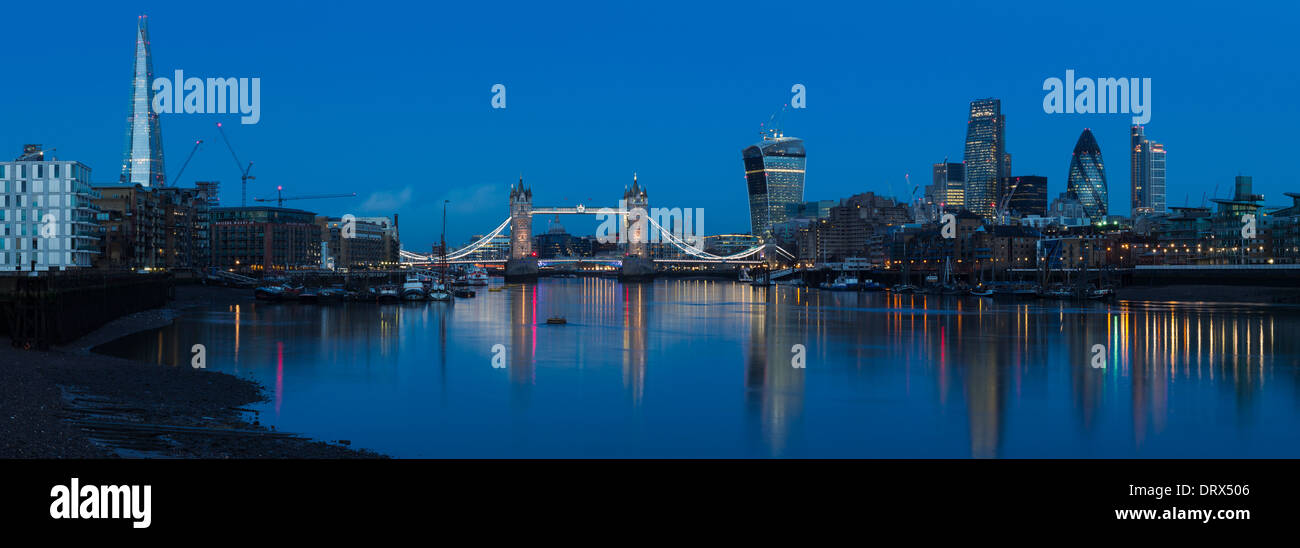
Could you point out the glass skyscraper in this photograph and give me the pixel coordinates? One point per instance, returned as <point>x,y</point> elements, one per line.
<point>1087,181</point>
<point>1147,173</point>
<point>949,185</point>
<point>142,161</point>
<point>986,156</point>
<point>774,173</point>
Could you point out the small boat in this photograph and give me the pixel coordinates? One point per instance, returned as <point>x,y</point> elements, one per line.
<point>556,320</point>
<point>495,289</point>
<point>274,293</point>
<point>841,283</point>
<point>386,293</point>
<point>330,294</point>
<point>413,290</point>
<point>904,288</point>
<point>309,295</point>
<point>438,291</point>
<point>868,285</point>
<point>1056,293</point>
<point>1101,293</point>
<point>463,293</point>
<point>983,291</point>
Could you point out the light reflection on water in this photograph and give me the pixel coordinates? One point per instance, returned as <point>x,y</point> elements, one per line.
<point>690,368</point>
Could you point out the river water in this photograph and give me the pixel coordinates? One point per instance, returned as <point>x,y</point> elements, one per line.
<point>698,368</point>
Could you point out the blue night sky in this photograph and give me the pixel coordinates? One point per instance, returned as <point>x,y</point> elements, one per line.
<point>393,102</point>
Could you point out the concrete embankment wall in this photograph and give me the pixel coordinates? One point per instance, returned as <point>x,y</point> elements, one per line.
<point>1250,275</point>
<point>58,307</point>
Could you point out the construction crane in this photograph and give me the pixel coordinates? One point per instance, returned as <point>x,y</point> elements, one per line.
<point>243,171</point>
<point>177,179</point>
<point>280,197</point>
<point>774,126</point>
<point>1006,201</point>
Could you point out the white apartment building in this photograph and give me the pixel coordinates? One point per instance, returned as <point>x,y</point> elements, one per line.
<point>46,213</point>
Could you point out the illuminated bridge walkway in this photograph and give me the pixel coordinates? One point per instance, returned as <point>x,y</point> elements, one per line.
<point>465,255</point>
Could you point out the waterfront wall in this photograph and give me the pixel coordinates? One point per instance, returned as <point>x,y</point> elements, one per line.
<point>58,307</point>
<point>1252,275</point>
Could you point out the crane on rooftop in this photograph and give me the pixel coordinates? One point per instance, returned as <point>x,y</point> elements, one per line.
<point>280,198</point>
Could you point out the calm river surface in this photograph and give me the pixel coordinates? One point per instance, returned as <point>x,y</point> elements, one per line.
<point>693,368</point>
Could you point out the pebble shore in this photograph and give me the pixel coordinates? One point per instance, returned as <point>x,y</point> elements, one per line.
<point>43,395</point>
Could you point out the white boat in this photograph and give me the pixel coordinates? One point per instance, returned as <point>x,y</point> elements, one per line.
<point>841,283</point>
<point>413,289</point>
<point>477,276</point>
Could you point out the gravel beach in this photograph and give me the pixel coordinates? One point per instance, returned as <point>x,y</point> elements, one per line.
<point>71,403</point>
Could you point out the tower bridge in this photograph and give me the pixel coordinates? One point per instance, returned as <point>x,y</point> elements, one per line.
<point>635,224</point>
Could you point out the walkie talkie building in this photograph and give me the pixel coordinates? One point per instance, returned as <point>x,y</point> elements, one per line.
<point>774,173</point>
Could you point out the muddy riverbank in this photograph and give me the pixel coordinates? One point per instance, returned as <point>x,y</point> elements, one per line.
<point>69,402</point>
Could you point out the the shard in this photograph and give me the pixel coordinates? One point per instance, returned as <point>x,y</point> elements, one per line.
<point>142,159</point>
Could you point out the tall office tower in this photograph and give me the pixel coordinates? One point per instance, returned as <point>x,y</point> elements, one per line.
<point>950,184</point>
<point>986,156</point>
<point>1087,181</point>
<point>1147,173</point>
<point>774,171</point>
<point>142,161</point>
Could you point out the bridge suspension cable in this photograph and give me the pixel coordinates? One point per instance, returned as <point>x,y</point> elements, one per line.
<point>692,250</point>
<point>459,253</point>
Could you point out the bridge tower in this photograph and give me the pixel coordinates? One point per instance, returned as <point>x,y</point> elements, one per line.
<point>522,264</point>
<point>637,265</point>
<point>636,224</point>
<point>521,221</point>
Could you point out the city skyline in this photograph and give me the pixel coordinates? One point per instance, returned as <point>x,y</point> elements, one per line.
<point>843,121</point>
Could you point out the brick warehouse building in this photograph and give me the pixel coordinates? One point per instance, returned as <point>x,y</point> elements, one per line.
<point>265,239</point>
